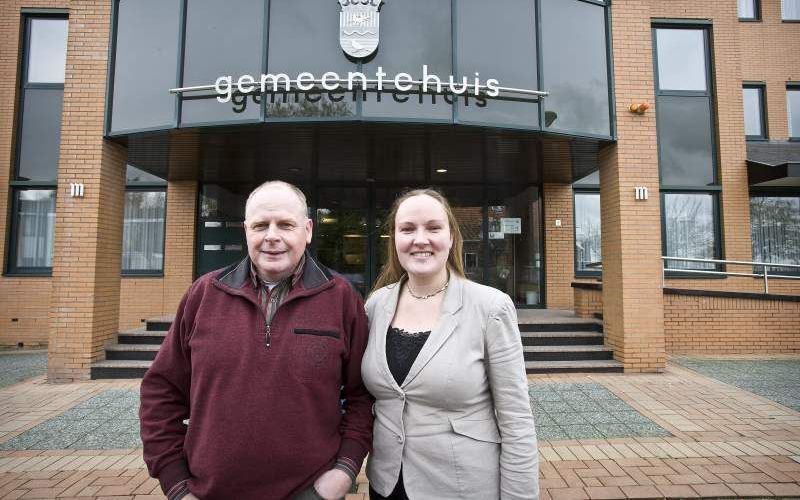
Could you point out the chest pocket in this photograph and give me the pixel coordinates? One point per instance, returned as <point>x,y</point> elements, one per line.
<point>316,354</point>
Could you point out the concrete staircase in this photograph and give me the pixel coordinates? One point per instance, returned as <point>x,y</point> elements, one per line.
<point>553,342</point>
<point>558,342</point>
<point>131,355</point>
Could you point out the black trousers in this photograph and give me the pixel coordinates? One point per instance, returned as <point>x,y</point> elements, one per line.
<point>399,492</point>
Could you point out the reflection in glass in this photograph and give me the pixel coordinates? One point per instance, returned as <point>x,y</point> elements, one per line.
<point>413,33</point>
<point>35,228</point>
<point>753,107</point>
<point>793,108</point>
<point>341,233</point>
<point>480,32</point>
<point>587,231</point>
<point>135,175</point>
<point>775,231</point>
<point>143,231</point>
<point>40,135</point>
<point>221,239</point>
<point>685,141</point>
<point>790,10</point>
<point>316,51</point>
<point>515,251</point>
<point>747,9</point>
<point>145,64</point>
<point>681,59</point>
<point>221,42</point>
<point>575,67</point>
<point>690,229</point>
<point>47,51</point>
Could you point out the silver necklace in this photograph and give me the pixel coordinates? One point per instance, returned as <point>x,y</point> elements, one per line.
<point>423,297</point>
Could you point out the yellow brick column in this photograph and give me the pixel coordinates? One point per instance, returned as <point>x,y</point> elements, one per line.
<point>633,309</point>
<point>179,241</point>
<point>84,302</point>
<point>559,240</point>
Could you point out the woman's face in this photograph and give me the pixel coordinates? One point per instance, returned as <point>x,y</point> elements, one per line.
<point>422,236</point>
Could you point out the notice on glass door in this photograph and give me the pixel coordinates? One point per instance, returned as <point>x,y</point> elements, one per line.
<point>511,225</point>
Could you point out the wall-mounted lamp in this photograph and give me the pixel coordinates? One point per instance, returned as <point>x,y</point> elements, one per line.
<point>639,108</point>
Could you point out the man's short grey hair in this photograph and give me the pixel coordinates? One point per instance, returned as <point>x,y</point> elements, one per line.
<point>296,190</point>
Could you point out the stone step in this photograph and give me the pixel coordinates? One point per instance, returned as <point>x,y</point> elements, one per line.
<point>595,366</point>
<point>159,324</point>
<point>562,326</point>
<point>561,338</point>
<point>141,336</point>
<point>567,353</point>
<point>121,368</point>
<point>141,352</point>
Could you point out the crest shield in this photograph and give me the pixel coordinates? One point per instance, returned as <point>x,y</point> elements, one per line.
<point>359,27</point>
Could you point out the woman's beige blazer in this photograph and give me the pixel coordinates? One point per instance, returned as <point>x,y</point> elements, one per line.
<point>460,424</point>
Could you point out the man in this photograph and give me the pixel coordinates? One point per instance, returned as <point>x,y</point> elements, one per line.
<point>257,359</point>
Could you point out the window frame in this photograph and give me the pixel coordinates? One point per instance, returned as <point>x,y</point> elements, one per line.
<point>770,193</point>
<point>791,87</point>
<point>756,13</point>
<point>16,185</point>
<point>789,20</point>
<point>716,211</point>
<point>576,190</point>
<point>146,187</point>
<point>762,94</point>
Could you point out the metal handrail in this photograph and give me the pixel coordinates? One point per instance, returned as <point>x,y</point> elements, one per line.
<point>764,265</point>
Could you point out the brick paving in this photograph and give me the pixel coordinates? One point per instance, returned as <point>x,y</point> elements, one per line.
<point>723,442</point>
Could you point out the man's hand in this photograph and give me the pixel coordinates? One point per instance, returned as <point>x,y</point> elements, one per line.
<point>333,485</point>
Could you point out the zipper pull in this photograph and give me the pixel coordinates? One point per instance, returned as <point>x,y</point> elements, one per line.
<point>268,336</point>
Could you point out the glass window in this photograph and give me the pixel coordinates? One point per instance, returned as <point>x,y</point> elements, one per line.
<point>685,141</point>
<point>587,231</point>
<point>775,230</point>
<point>291,54</point>
<point>575,67</point>
<point>793,108</point>
<point>40,134</point>
<point>748,9</point>
<point>754,112</point>
<point>479,33</point>
<point>145,64</point>
<point>413,33</point>
<point>790,10</point>
<point>681,57</point>
<point>34,229</point>
<point>47,50</point>
<point>134,175</point>
<point>221,42</point>
<point>143,231</point>
<point>690,229</point>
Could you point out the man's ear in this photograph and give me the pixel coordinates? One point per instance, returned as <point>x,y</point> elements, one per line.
<point>309,230</point>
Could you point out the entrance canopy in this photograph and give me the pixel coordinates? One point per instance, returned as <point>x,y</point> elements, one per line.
<point>540,65</point>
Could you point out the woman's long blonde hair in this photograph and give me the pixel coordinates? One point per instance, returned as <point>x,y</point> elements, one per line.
<point>392,271</point>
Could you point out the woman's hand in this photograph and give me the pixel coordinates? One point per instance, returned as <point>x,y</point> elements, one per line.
<point>189,497</point>
<point>333,485</point>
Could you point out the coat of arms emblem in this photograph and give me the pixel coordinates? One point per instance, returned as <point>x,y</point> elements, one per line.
<point>359,26</point>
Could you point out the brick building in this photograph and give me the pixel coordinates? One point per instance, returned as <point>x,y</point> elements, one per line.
<point>126,175</point>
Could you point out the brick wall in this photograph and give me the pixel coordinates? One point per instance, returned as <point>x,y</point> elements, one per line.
<point>731,325</point>
<point>588,300</point>
<point>84,305</point>
<point>24,301</point>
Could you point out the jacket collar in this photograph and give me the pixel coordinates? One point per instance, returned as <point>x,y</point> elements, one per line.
<point>238,276</point>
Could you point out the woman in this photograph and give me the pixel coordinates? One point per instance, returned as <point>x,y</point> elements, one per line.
<point>445,364</point>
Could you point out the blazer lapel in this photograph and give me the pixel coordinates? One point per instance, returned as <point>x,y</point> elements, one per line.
<point>448,321</point>
<point>386,315</point>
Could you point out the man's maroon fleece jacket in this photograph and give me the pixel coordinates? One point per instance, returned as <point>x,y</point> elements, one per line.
<point>265,422</point>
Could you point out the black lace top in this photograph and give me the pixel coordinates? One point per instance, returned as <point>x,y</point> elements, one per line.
<point>402,348</point>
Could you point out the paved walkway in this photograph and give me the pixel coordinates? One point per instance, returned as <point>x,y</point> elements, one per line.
<point>678,435</point>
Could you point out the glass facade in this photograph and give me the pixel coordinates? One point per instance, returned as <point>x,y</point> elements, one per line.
<point>38,142</point>
<point>460,41</point>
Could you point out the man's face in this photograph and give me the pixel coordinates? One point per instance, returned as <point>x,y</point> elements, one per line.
<point>277,231</point>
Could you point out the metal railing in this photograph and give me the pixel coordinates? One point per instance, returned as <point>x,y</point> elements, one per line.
<point>765,266</point>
